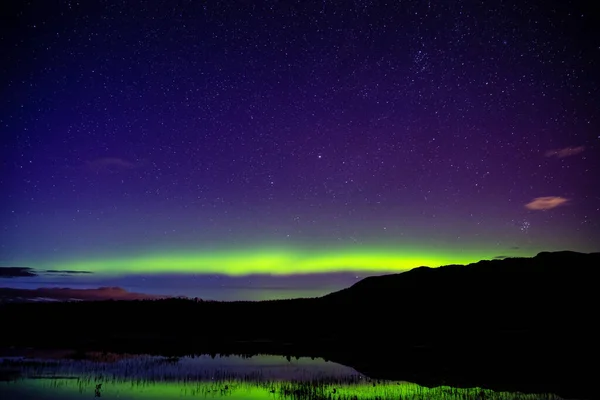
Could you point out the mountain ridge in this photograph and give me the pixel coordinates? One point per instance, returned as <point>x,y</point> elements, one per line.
<point>421,272</point>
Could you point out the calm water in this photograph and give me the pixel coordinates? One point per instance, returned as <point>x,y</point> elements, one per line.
<point>204,377</point>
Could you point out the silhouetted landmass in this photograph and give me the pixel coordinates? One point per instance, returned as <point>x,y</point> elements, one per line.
<point>16,272</point>
<point>516,324</point>
<point>62,294</point>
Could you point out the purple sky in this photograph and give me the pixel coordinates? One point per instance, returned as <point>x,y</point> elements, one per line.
<point>178,126</point>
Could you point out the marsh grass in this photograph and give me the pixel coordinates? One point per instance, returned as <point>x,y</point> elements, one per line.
<point>152,377</point>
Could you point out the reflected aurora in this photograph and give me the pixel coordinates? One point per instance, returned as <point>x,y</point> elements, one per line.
<point>84,387</point>
<point>259,377</point>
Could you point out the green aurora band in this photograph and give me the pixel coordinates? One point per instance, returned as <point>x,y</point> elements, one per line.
<point>273,261</point>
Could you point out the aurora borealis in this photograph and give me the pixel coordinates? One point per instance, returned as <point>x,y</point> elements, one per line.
<point>294,138</point>
<point>270,262</point>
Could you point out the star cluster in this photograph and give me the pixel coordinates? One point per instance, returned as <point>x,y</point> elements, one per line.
<point>182,127</point>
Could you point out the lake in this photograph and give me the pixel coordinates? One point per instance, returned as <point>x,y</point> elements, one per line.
<point>58,375</point>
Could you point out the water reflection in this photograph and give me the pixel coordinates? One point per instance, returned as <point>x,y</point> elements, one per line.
<point>260,377</point>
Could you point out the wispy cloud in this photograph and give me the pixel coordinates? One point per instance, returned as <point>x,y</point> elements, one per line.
<point>565,152</point>
<point>16,272</point>
<point>66,273</point>
<point>21,272</point>
<point>546,203</point>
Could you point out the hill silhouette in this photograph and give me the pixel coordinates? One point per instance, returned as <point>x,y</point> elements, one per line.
<point>525,324</point>
<point>512,294</point>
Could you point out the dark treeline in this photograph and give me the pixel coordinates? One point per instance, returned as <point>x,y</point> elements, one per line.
<point>525,324</point>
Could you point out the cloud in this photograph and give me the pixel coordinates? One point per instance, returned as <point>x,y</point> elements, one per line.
<point>565,152</point>
<point>546,203</point>
<point>110,164</point>
<point>16,272</point>
<point>56,271</point>
<point>500,257</point>
<point>20,272</point>
<point>64,294</point>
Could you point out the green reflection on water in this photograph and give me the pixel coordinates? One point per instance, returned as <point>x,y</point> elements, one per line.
<point>125,377</point>
<point>86,387</point>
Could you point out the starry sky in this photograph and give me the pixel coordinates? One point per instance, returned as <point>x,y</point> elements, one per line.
<point>227,138</point>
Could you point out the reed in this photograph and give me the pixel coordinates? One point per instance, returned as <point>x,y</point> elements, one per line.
<point>159,377</point>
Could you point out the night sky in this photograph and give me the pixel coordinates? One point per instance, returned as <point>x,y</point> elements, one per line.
<point>239,137</point>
